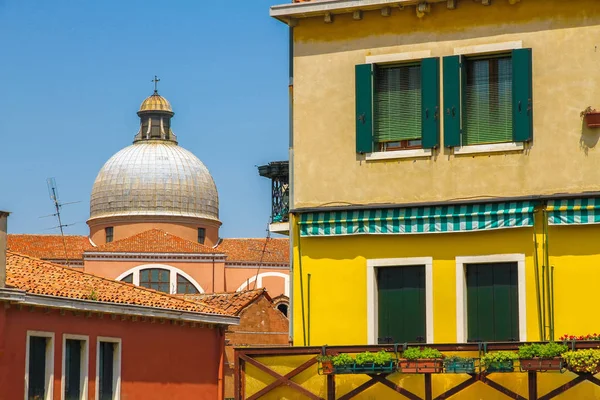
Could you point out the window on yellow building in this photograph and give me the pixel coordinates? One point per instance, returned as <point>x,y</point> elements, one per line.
<point>397,106</point>
<point>488,98</point>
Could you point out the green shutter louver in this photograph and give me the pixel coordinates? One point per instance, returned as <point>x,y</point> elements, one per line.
<point>364,108</point>
<point>522,95</point>
<point>452,105</point>
<point>397,103</point>
<point>430,102</point>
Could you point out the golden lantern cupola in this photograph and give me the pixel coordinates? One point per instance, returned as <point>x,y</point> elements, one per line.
<point>155,118</point>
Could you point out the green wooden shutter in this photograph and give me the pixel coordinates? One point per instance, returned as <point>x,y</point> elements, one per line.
<point>522,95</point>
<point>492,302</point>
<point>37,367</point>
<point>364,108</point>
<point>72,370</point>
<point>452,104</point>
<point>487,100</point>
<point>430,100</point>
<point>401,303</point>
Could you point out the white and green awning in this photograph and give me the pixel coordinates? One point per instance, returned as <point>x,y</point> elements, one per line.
<point>414,220</point>
<point>574,211</point>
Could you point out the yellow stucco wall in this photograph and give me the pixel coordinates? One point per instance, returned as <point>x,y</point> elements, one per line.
<point>566,54</point>
<point>338,284</point>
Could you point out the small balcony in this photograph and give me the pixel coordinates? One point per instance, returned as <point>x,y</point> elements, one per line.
<point>278,173</point>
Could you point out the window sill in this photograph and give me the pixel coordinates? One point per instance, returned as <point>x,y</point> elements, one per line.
<point>489,148</point>
<point>398,154</point>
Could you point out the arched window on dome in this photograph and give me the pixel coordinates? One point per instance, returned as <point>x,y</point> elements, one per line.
<point>155,278</point>
<point>184,286</point>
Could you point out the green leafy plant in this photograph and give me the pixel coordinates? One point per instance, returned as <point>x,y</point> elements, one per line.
<point>548,350</point>
<point>324,357</point>
<point>498,357</point>
<point>364,358</point>
<point>415,353</point>
<point>342,360</point>
<point>587,360</point>
<point>383,357</point>
<point>93,295</point>
<point>458,359</point>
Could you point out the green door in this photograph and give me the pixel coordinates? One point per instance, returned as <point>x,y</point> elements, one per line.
<point>401,304</point>
<point>492,302</point>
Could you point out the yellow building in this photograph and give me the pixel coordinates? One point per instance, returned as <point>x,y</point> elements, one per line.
<point>444,185</point>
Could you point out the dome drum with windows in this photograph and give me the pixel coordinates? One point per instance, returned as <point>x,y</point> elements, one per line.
<point>154,180</point>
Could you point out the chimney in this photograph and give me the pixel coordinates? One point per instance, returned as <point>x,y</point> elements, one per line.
<point>3,217</point>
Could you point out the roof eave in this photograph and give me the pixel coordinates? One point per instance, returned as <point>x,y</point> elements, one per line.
<point>285,12</point>
<point>38,300</point>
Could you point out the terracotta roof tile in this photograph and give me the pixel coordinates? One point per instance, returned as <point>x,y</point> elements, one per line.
<point>35,276</point>
<point>154,241</point>
<point>251,250</point>
<point>49,247</point>
<point>232,303</point>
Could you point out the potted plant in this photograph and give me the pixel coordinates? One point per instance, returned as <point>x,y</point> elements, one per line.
<point>326,362</point>
<point>591,117</point>
<point>459,365</point>
<point>414,360</point>
<point>541,357</point>
<point>368,362</point>
<point>342,363</point>
<point>499,361</point>
<point>587,360</point>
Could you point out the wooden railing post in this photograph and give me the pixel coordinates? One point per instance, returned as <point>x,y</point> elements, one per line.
<point>428,390</point>
<point>532,383</point>
<point>331,387</point>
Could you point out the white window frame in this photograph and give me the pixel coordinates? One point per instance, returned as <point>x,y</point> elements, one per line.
<point>393,59</point>
<point>173,272</point>
<point>259,284</point>
<point>481,50</point>
<point>116,365</point>
<point>49,367</point>
<point>372,290</point>
<point>461,291</point>
<point>84,374</point>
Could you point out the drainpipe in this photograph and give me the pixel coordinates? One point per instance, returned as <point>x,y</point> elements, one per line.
<point>291,220</point>
<point>3,218</point>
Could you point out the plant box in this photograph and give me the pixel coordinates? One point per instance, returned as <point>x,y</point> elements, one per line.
<point>592,119</point>
<point>500,366</point>
<point>541,364</point>
<point>421,366</point>
<point>367,368</point>
<point>459,367</point>
<point>582,370</point>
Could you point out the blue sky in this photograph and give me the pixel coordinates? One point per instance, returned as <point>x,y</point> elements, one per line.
<point>73,74</point>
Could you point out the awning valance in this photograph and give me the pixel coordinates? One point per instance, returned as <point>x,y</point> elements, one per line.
<point>414,220</point>
<point>574,211</point>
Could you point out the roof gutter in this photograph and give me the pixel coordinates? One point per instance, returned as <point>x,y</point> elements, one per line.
<point>37,300</point>
<point>556,196</point>
<point>286,12</point>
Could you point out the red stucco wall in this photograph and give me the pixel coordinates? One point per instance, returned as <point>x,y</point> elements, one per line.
<point>158,361</point>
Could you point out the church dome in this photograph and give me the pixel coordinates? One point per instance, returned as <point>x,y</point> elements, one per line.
<point>154,176</point>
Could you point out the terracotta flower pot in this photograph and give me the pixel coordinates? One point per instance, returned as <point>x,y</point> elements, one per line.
<point>592,119</point>
<point>541,364</point>
<point>421,366</point>
<point>327,367</point>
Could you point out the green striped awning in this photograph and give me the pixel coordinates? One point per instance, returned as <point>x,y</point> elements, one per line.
<point>394,221</point>
<point>574,211</point>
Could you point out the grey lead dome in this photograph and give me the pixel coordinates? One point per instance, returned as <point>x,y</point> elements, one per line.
<point>154,178</point>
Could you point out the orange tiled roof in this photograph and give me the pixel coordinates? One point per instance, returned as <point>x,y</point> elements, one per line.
<point>49,247</point>
<point>232,303</point>
<point>154,241</point>
<point>251,250</point>
<point>35,276</point>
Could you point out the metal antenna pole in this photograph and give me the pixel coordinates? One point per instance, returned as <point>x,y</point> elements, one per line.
<point>262,255</point>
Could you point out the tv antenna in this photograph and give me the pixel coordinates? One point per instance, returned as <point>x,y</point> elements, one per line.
<point>263,251</point>
<point>53,192</point>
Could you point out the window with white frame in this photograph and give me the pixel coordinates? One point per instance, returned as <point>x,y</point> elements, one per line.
<point>75,367</point>
<point>39,369</point>
<point>163,278</point>
<point>108,368</point>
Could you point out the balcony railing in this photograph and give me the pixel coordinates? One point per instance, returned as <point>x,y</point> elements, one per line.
<point>278,172</point>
